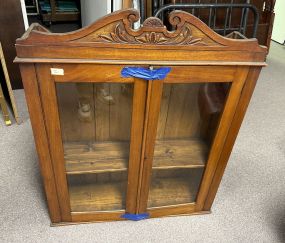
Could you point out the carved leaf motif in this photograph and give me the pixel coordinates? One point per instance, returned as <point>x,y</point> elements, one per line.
<point>152,37</point>
<point>142,38</point>
<point>161,39</point>
<point>120,35</point>
<point>106,38</point>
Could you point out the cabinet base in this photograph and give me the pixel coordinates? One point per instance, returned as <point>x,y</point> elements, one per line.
<point>102,221</point>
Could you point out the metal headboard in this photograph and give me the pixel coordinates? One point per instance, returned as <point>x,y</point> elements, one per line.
<point>245,8</point>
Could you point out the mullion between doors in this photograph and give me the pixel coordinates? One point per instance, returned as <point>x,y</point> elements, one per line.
<point>152,115</point>
<point>137,129</point>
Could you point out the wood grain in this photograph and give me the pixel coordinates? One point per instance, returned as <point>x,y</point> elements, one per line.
<point>130,141</point>
<point>183,114</point>
<point>98,197</point>
<point>91,73</point>
<point>178,153</point>
<point>137,130</point>
<point>155,94</point>
<point>104,157</point>
<point>49,103</point>
<point>121,111</point>
<point>102,112</point>
<point>169,191</point>
<point>138,62</point>
<point>41,139</point>
<point>71,99</point>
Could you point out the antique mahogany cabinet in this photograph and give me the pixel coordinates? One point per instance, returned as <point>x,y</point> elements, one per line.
<point>114,146</point>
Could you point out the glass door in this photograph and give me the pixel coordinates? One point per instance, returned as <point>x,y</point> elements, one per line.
<point>95,121</point>
<point>189,118</point>
<point>95,135</point>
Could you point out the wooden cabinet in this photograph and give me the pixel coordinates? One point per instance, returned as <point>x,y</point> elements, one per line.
<point>112,147</point>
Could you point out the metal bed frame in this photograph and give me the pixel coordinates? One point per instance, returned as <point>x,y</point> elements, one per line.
<point>213,7</point>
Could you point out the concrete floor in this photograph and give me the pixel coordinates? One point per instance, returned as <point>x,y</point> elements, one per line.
<point>249,207</point>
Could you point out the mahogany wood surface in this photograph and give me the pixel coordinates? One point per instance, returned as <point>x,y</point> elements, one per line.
<point>109,145</point>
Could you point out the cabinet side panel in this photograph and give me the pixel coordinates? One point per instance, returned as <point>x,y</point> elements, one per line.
<point>37,120</point>
<point>234,129</point>
<point>222,131</point>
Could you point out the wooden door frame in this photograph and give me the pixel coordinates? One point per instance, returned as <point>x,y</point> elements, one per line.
<point>47,88</point>
<point>237,83</point>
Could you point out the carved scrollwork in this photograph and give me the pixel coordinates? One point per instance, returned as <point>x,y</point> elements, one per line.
<point>184,37</point>
<point>153,32</point>
<point>116,31</point>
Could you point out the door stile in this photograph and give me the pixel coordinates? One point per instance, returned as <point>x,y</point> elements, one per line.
<point>51,116</point>
<point>221,134</point>
<point>147,105</point>
<point>137,130</point>
<point>154,101</point>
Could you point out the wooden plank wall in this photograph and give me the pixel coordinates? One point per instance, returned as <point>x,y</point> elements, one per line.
<point>110,109</point>
<point>107,116</point>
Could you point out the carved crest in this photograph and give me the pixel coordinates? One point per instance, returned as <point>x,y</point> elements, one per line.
<point>116,29</point>
<point>152,32</point>
<point>120,35</point>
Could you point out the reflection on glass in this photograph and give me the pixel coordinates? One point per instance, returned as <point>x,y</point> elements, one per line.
<point>188,119</point>
<point>95,121</point>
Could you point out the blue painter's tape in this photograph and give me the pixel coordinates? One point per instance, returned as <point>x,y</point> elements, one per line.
<point>145,73</point>
<point>135,217</point>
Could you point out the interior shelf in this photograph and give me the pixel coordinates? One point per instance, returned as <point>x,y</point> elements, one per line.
<point>175,190</point>
<point>167,188</point>
<point>179,153</point>
<point>100,157</point>
<point>97,196</point>
<point>103,157</point>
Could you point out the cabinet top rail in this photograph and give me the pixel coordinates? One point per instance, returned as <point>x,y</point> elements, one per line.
<point>113,38</point>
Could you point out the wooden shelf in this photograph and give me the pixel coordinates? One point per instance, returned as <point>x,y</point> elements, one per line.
<point>97,196</point>
<point>179,153</point>
<point>96,157</point>
<point>174,190</point>
<point>113,156</point>
<point>87,194</point>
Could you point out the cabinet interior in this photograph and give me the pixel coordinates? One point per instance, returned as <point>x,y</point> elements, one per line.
<point>96,122</point>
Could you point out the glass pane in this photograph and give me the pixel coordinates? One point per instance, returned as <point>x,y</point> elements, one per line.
<point>188,119</point>
<point>95,122</point>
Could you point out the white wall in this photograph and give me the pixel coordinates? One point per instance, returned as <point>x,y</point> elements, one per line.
<point>24,13</point>
<point>92,10</point>
<point>278,33</point>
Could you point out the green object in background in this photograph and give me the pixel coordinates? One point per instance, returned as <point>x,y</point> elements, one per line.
<point>61,6</point>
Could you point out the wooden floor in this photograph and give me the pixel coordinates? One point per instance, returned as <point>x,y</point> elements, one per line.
<point>104,157</point>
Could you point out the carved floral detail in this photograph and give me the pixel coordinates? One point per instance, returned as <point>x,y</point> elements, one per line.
<point>152,21</point>
<point>184,36</point>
